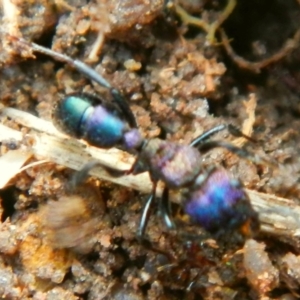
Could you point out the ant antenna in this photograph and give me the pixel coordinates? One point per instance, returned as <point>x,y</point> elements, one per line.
<point>90,74</point>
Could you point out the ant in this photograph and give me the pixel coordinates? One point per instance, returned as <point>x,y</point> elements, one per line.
<point>210,197</point>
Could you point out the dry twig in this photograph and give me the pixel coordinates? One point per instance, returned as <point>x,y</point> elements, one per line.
<point>255,67</point>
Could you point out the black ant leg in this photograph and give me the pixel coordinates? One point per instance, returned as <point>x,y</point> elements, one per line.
<point>146,213</point>
<point>77,64</point>
<point>83,173</point>
<point>123,104</point>
<point>165,209</point>
<point>90,74</point>
<point>231,129</point>
<point>238,133</point>
<point>207,134</point>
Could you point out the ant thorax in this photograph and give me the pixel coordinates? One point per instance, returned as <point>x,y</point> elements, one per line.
<point>177,165</point>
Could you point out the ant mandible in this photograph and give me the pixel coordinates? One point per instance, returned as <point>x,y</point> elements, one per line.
<point>211,198</point>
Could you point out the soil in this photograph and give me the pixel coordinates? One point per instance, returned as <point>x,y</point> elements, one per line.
<point>57,243</point>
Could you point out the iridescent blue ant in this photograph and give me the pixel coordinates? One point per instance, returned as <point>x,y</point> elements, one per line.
<point>210,197</point>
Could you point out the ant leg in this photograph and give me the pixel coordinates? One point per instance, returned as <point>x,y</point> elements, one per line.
<point>238,133</point>
<point>165,209</point>
<point>83,173</point>
<point>231,129</point>
<point>204,136</point>
<point>146,214</point>
<point>123,104</point>
<point>90,74</point>
<point>77,64</point>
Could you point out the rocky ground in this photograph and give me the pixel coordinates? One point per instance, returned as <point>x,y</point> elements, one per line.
<point>181,76</point>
